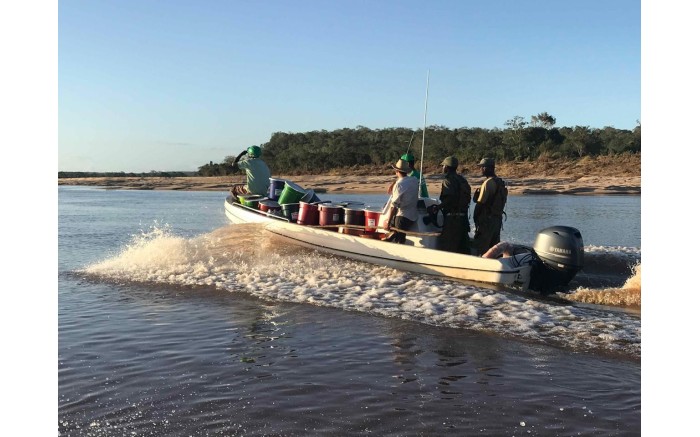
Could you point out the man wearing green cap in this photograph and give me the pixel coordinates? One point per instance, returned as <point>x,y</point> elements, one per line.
<point>490,200</point>
<point>257,173</point>
<point>408,157</point>
<point>455,195</point>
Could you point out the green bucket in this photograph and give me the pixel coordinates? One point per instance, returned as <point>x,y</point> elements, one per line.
<point>292,193</point>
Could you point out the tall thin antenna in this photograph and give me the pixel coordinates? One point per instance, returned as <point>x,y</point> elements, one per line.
<point>409,143</point>
<point>425,120</point>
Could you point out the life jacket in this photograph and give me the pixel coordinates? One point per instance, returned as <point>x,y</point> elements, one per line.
<point>498,203</point>
<point>460,195</point>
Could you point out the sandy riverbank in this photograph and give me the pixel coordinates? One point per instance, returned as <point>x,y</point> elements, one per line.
<point>590,185</point>
<point>586,176</point>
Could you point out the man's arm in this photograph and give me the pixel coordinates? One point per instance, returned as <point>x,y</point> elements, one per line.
<point>241,164</point>
<point>240,155</point>
<point>392,213</point>
<point>393,204</point>
<point>487,190</point>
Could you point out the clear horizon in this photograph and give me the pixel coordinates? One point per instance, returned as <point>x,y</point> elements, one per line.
<point>145,87</point>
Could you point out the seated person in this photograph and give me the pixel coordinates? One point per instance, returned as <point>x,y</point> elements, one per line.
<point>257,173</point>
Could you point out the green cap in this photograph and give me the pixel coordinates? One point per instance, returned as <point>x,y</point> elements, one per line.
<point>487,162</point>
<point>254,152</point>
<point>408,157</point>
<point>450,161</point>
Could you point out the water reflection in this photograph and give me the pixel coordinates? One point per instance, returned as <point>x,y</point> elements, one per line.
<point>439,364</point>
<point>263,338</point>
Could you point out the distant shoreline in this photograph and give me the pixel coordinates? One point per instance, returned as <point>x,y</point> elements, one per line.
<point>571,185</point>
<point>608,174</point>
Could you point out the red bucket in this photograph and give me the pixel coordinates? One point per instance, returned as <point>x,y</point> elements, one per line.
<point>269,206</point>
<point>308,214</point>
<point>330,215</point>
<point>372,218</point>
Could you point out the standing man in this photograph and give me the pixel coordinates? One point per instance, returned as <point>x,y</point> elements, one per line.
<point>408,157</point>
<point>257,173</point>
<point>403,209</point>
<point>455,195</point>
<point>490,200</point>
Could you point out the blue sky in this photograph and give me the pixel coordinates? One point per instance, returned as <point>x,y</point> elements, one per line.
<point>149,85</point>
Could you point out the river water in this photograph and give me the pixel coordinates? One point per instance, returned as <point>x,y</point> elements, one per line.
<point>171,321</point>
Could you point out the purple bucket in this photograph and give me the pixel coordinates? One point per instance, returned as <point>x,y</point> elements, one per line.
<point>276,187</point>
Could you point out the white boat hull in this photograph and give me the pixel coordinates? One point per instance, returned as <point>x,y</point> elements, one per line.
<point>513,270</point>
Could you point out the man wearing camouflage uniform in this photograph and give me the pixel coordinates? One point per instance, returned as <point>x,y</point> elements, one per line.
<point>490,200</point>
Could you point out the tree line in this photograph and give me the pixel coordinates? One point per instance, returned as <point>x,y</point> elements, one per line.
<point>324,151</point>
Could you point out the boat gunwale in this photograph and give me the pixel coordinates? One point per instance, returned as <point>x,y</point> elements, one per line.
<point>514,271</point>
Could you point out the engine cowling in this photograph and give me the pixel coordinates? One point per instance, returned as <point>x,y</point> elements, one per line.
<point>559,252</point>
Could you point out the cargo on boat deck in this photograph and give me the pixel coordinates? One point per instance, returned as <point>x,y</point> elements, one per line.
<point>354,216</point>
<point>292,193</point>
<point>251,200</point>
<point>268,205</point>
<point>290,211</point>
<point>310,197</point>
<point>308,214</point>
<point>330,214</point>
<point>276,187</point>
<point>372,215</point>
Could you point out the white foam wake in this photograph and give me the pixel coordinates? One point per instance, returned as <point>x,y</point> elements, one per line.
<point>246,258</point>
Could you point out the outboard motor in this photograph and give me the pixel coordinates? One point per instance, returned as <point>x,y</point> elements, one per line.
<point>559,251</point>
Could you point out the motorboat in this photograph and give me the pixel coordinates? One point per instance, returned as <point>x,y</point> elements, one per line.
<point>548,266</point>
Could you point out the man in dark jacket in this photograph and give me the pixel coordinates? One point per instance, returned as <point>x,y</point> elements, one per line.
<point>455,195</point>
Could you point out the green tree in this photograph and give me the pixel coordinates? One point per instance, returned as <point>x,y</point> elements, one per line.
<point>320,151</point>
<point>583,141</point>
<point>543,119</point>
<point>514,138</point>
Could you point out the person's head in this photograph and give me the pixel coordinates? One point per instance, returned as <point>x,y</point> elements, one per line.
<point>449,164</point>
<point>488,166</point>
<point>401,168</point>
<point>254,152</point>
<point>408,157</point>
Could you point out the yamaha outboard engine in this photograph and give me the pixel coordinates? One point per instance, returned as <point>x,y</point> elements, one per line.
<point>559,251</point>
